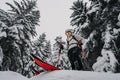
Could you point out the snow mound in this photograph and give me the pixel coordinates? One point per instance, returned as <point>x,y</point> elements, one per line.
<point>9,75</point>
<point>75,75</point>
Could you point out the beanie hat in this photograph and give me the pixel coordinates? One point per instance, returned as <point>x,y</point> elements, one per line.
<point>69,30</point>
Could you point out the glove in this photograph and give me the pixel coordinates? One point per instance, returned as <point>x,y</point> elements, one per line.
<point>61,46</point>
<point>80,42</point>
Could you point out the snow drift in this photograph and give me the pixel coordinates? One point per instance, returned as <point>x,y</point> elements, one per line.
<point>76,75</point>
<point>61,75</point>
<point>9,75</point>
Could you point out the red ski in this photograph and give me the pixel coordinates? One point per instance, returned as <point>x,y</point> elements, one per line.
<point>42,64</point>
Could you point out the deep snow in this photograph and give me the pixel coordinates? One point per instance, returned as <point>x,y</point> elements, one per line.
<point>9,75</point>
<point>76,75</point>
<point>62,75</point>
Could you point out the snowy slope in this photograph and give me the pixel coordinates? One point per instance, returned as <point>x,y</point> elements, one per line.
<point>9,75</point>
<point>62,75</point>
<point>76,75</point>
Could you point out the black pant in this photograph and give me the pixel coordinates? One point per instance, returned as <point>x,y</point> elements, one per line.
<point>74,55</point>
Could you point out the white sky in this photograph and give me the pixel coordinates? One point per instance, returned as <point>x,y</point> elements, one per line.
<point>54,16</point>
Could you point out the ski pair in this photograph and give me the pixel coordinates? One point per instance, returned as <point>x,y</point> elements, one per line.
<point>43,64</point>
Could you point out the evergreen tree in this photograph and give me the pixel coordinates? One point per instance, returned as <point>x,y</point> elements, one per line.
<point>18,27</point>
<point>42,49</point>
<point>100,28</point>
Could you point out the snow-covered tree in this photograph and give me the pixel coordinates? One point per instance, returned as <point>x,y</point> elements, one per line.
<point>18,26</point>
<point>108,61</point>
<point>42,49</point>
<point>59,54</point>
<point>100,28</point>
<point>1,56</point>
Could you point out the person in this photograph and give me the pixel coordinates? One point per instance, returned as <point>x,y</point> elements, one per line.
<point>74,44</point>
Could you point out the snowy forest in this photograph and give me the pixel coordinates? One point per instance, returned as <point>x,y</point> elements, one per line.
<point>97,21</point>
